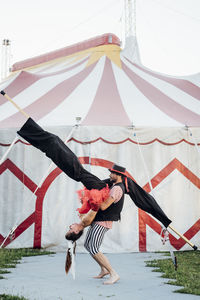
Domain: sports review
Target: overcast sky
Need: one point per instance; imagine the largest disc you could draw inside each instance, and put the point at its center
(168, 31)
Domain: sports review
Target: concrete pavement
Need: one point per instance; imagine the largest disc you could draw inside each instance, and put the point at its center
(44, 278)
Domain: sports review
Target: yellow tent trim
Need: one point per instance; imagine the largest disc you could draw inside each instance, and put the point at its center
(111, 51)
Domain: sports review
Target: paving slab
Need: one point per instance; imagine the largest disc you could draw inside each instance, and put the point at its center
(44, 278)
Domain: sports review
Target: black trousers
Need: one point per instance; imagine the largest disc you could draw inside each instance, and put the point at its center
(67, 161)
(59, 153)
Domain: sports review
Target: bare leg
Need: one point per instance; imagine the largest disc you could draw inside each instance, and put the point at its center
(103, 271)
(104, 263)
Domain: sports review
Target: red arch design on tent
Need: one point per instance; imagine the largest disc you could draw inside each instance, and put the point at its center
(144, 218)
(8, 164)
(48, 181)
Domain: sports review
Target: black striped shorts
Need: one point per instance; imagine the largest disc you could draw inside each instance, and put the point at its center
(94, 238)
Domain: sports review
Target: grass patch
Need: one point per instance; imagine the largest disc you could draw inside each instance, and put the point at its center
(187, 275)
(9, 258)
(10, 297)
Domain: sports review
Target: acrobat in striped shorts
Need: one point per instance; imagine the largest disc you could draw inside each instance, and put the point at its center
(94, 238)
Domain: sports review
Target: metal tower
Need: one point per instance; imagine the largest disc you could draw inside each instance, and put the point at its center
(130, 18)
(131, 49)
(5, 58)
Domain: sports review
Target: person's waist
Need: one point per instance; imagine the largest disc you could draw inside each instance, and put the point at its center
(107, 224)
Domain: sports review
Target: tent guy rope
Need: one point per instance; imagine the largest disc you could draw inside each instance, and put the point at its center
(25, 114)
(152, 191)
(8, 150)
(194, 141)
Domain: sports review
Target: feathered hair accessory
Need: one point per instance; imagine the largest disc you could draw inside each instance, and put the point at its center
(70, 258)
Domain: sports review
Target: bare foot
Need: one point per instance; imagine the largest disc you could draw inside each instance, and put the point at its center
(113, 278)
(101, 274)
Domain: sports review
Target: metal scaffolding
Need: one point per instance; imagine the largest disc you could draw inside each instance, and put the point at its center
(130, 18)
(5, 58)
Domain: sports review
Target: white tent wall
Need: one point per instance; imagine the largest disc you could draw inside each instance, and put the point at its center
(172, 163)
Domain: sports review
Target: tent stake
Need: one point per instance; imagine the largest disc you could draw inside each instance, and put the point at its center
(183, 237)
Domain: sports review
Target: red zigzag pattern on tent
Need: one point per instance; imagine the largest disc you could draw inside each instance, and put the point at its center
(144, 218)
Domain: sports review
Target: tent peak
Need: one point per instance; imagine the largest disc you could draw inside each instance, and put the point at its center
(105, 39)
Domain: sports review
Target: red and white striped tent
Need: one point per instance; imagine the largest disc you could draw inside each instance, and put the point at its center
(111, 109)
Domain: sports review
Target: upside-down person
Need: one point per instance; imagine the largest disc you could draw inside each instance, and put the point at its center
(102, 204)
(100, 218)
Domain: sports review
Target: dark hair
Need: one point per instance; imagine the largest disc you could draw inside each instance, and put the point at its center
(72, 236)
(119, 174)
(115, 172)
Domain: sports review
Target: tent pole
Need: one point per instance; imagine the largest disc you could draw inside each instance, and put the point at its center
(9, 99)
(183, 237)
(9, 235)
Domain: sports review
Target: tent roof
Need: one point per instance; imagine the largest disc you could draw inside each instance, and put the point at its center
(104, 39)
(100, 83)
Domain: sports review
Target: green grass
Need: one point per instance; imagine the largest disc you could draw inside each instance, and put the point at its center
(10, 297)
(188, 272)
(9, 258)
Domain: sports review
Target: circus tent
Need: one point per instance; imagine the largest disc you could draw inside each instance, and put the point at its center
(109, 108)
